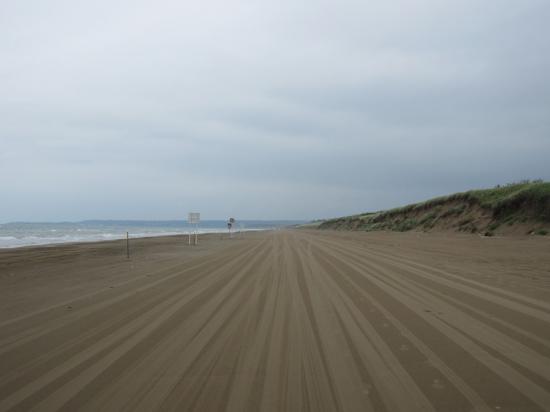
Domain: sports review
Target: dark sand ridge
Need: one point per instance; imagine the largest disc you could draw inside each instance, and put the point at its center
(278, 321)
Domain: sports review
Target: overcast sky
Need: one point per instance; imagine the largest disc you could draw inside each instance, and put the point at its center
(253, 109)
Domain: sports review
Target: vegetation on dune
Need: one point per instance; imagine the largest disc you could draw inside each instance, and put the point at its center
(485, 211)
(310, 225)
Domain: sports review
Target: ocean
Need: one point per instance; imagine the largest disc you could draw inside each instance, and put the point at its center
(18, 234)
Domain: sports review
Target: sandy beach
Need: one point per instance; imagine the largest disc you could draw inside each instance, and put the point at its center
(288, 320)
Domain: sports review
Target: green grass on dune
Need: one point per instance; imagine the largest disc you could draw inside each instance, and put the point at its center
(511, 203)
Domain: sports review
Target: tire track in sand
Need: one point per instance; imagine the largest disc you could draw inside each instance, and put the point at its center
(284, 321)
(400, 287)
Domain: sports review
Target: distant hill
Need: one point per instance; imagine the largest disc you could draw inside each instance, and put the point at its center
(518, 208)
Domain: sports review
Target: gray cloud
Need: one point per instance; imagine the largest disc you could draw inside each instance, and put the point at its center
(284, 109)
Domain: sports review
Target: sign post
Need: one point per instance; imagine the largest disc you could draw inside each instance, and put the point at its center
(230, 224)
(193, 219)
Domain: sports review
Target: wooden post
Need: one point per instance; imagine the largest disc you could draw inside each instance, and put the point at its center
(127, 246)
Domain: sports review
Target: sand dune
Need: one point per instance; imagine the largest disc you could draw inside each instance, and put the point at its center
(278, 321)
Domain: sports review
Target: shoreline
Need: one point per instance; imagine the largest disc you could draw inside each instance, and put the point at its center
(123, 237)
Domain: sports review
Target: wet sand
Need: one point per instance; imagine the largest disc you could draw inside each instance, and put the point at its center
(278, 321)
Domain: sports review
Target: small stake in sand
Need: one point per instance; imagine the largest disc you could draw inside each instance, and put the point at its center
(127, 246)
(193, 219)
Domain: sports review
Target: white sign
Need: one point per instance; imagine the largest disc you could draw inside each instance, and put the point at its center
(194, 218)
